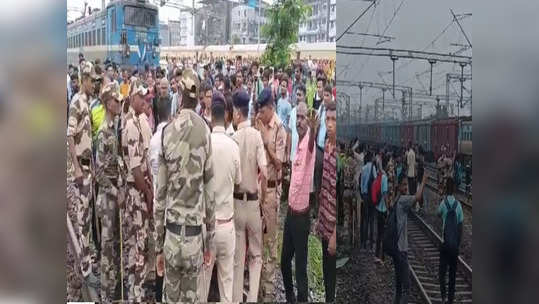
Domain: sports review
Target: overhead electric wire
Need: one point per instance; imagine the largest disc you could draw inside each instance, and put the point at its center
(357, 19)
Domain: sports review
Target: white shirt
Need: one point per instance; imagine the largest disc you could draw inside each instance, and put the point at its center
(155, 149)
(227, 172)
(230, 130)
(410, 158)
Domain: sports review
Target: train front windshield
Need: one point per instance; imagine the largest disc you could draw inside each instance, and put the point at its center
(140, 16)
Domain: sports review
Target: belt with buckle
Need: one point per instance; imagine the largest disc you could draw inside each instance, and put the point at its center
(189, 230)
(250, 196)
(298, 212)
(220, 222)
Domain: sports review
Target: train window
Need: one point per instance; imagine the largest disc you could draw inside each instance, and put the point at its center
(113, 20)
(134, 15)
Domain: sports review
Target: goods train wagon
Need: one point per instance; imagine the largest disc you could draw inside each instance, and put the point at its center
(422, 134)
(465, 137)
(429, 134)
(444, 132)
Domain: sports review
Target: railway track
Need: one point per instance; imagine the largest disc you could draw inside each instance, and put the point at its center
(423, 259)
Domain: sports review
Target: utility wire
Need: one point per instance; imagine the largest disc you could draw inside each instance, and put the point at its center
(393, 17)
(357, 19)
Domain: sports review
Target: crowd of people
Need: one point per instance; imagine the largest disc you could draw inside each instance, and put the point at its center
(380, 185)
(176, 169)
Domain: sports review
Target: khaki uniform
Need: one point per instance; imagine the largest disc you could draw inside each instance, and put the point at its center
(227, 173)
(139, 274)
(184, 201)
(248, 223)
(79, 127)
(270, 207)
(108, 162)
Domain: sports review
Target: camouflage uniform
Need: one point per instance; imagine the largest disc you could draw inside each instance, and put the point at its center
(445, 167)
(270, 207)
(139, 274)
(184, 201)
(108, 162)
(79, 127)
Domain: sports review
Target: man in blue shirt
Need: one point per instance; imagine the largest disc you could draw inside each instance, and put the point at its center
(367, 209)
(381, 211)
(300, 95)
(403, 207)
(283, 104)
(448, 259)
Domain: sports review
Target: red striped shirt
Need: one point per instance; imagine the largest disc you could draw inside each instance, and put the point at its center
(327, 211)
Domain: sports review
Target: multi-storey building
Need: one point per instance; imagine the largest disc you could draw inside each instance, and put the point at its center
(186, 30)
(246, 22)
(164, 34)
(320, 25)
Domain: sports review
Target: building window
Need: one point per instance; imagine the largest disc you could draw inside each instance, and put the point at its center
(103, 36)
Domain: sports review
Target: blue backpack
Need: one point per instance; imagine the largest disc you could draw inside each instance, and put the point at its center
(451, 234)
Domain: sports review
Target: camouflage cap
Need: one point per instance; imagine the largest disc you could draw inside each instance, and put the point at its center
(138, 89)
(111, 90)
(88, 68)
(191, 83)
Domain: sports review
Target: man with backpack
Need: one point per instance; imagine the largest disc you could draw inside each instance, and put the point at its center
(368, 175)
(381, 194)
(396, 237)
(452, 216)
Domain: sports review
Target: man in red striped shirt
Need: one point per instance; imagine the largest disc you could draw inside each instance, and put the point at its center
(325, 227)
(297, 222)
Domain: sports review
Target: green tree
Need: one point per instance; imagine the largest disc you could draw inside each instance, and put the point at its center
(281, 30)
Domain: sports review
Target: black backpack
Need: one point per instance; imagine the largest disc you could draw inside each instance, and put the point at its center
(391, 232)
(451, 233)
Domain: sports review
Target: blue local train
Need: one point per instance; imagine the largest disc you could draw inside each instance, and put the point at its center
(126, 33)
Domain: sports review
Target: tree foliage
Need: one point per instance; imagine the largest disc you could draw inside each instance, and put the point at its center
(281, 30)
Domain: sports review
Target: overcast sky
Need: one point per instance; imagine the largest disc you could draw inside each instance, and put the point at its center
(165, 13)
(414, 27)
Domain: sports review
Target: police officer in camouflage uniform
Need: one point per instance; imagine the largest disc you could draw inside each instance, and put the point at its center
(136, 216)
(110, 193)
(184, 199)
(79, 139)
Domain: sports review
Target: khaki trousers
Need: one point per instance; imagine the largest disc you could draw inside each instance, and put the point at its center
(248, 224)
(225, 242)
(270, 210)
